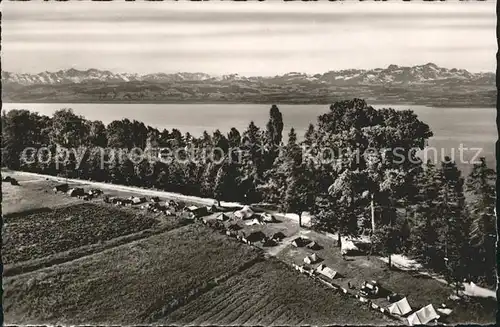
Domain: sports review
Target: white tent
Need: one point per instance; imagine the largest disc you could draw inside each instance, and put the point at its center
(348, 246)
(138, 200)
(401, 308)
(267, 217)
(423, 316)
(326, 271)
(192, 208)
(222, 217)
(244, 213)
(313, 246)
(313, 258)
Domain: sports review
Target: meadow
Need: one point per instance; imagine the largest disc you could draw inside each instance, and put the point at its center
(271, 293)
(129, 284)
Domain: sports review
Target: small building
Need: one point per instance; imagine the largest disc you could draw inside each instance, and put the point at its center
(222, 217)
(268, 242)
(423, 316)
(300, 242)
(314, 246)
(255, 221)
(76, 192)
(307, 219)
(211, 209)
(279, 236)
(95, 192)
(197, 211)
(348, 247)
(60, 188)
(114, 199)
(255, 236)
(138, 200)
(326, 271)
(268, 218)
(245, 213)
(400, 308)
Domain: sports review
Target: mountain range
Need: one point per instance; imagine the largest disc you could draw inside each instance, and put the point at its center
(426, 84)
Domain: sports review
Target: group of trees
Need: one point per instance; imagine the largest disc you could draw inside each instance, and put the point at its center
(356, 169)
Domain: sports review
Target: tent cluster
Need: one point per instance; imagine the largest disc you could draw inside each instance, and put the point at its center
(400, 308)
(423, 316)
(77, 191)
(311, 259)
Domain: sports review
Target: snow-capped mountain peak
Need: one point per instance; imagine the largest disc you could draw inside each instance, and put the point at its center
(393, 74)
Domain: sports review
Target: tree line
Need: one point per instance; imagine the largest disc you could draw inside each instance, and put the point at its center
(409, 207)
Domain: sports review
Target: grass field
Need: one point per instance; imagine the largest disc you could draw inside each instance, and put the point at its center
(109, 265)
(38, 234)
(129, 284)
(270, 293)
(31, 194)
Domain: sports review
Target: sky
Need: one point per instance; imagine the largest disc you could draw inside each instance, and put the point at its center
(257, 38)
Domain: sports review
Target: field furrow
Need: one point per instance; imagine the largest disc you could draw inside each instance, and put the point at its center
(133, 283)
(273, 293)
(202, 306)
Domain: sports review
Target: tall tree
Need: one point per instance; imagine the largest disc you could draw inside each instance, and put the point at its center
(481, 187)
(68, 129)
(274, 127)
(353, 126)
(273, 136)
(234, 138)
(426, 220)
(294, 178)
(337, 210)
(222, 187)
(220, 145)
(456, 224)
(309, 136)
(21, 129)
(252, 165)
(97, 134)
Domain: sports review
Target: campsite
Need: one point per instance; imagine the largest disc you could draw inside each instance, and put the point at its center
(190, 267)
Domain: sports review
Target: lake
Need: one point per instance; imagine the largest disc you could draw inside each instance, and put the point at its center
(471, 127)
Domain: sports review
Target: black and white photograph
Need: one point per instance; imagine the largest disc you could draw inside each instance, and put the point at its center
(259, 163)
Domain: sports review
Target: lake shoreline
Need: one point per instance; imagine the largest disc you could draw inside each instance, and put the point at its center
(370, 102)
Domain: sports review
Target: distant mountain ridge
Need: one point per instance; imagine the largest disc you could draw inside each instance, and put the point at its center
(393, 74)
(426, 84)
